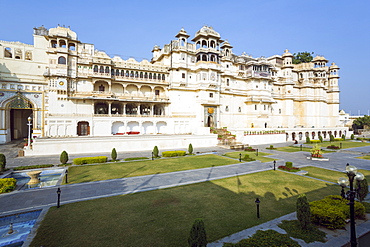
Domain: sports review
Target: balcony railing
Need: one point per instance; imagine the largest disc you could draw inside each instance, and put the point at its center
(105, 94)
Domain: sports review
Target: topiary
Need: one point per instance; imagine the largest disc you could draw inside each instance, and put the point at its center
(114, 154)
(303, 211)
(332, 138)
(321, 139)
(190, 149)
(198, 236)
(362, 189)
(289, 164)
(308, 140)
(155, 152)
(352, 136)
(2, 162)
(343, 137)
(64, 157)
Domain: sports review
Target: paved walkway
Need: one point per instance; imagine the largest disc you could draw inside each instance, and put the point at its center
(20, 201)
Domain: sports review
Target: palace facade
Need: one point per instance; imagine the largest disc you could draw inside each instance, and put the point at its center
(70, 89)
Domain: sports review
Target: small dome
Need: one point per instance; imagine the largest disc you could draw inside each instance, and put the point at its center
(63, 32)
(205, 30)
(287, 53)
(182, 33)
(319, 58)
(334, 66)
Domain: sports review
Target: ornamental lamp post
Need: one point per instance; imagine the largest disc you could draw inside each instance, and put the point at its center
(29, 132)
(257, 201)
(274, 165)
(240, 157)
(152, 156)
(58, 202)
(66, 176)
(257, 152)
(352, 174)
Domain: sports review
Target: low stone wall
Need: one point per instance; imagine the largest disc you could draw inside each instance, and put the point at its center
(53, 146)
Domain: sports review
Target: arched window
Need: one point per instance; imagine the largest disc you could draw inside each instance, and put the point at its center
(8, 52)
(141, 74)
(204, 44)
(131, 74)
(96, 69)
(213, 44)
(71, 46)
(107, 70)
(146, 75)
(62, 44)
(204, 57)
(28, 55)
(62, 60)
(117, 72)
(112, 72)
(127, 73)
(150, 75)
(136, 74)
(227, 52)
(163, 77)
(53, 44)
(154, 76)
(197, 45)
(101, 70)
(122, 73)
(182, 42)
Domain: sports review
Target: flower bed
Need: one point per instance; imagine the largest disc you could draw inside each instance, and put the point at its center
(289, 169)
(332, 147)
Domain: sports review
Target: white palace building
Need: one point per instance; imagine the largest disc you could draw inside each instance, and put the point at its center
(73, 91)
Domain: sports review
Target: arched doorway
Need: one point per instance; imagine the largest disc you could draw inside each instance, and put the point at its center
(83, 128)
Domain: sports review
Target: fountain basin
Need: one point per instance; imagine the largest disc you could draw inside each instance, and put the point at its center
(46, 178)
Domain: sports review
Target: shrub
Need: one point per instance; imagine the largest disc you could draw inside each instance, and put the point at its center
(266, 238)
(352, 136)
(2, 162)
(367, 207)
(19, 168)
(114, 154)
(198, 235)
(173, 153)
(293, 229)
(308, 140)
(303, 211)
(321, 139)
(63, 157)
(7, 184)
(332, 147)
(271, 147)
(247, 158)
(90, 160)
(362, 189)
(190, 149)
(289, 164)
(155, 152)
(343, 137)
(332, 211)
(315, 141)
(249, 149)
(331, 138)
(338, 139)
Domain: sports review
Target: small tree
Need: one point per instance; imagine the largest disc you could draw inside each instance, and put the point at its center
(303, 211)
(308, 140)
(190, 149)
(155, 152)
(332, 138)
(198, 236)
(114, 154)
(2, 162)
(64, 157)
(343, 137)
(321, 139)
(362, 189)
(352, 136)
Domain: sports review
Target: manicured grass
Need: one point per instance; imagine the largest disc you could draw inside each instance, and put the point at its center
(366, 157)
(292, 149)
(164, 217)
(329, 175)
(88, 173)
(253, 155)
(345, 144)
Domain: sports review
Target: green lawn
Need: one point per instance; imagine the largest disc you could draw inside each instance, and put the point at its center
(260, 156)
(329, 175)
(88, 173)
(366, 157)
(164, 217)
(292, 149)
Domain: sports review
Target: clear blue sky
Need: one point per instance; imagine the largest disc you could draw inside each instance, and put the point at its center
(338, 30)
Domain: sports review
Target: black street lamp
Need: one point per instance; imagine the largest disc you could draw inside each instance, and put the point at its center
(257, 152)
(352, 174)
(258, 207)
(301, 147)
(340, 145)
(274, 165)
(152, 156)
(240, 157)
(66, 176)
(58, 202)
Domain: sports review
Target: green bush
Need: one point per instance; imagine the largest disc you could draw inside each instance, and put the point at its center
(136, 158)
(303, 211)
(19, 168)
(7, 184)
(63, 157)
(367, 207)
(266, 238)
(316, 141)
(332, 211)
(190, 149)
(2, 162)
(308, 140)
(321, 139)
(289, 164)
(309, 235)
(247, 158)
(352, 136)
(343, 137)
(155, 152)
(114, 154)
(362, 189)
(90, 160)
(198, 235)
(173, 153)
(331, 138)
(338, 139)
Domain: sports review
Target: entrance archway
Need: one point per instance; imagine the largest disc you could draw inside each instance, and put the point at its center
(83, 128)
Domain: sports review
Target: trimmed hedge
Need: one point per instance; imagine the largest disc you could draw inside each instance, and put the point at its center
(19, 168)
(136, 158)
(332, 211)
(247, 158)
(90, 160)
(289, 164)
(266, 238)
(338, 139)
(7, 184)
(315, 141)
(173, 153)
